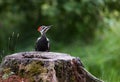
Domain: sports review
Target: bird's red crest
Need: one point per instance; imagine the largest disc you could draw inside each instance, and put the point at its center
(39, 29)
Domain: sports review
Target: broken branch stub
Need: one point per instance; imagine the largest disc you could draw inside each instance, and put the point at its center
(44, 67)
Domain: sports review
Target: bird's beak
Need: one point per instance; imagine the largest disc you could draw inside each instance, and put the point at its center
(50, 26)
(47, 28)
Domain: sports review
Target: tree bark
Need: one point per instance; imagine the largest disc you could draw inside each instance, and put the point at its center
(44, 67)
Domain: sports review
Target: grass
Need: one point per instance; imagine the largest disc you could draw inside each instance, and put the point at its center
(101, 62)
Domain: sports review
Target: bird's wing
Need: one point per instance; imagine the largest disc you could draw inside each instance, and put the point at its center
(48, 44)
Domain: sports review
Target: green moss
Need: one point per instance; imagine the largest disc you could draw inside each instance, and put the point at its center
(35, 68)
(72, 79)
(6, 73)
(6, 70)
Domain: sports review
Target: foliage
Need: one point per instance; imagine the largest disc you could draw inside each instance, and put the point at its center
(85, 28)
(75, 18)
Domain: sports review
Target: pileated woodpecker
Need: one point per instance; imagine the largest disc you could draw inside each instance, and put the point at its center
(42, 43)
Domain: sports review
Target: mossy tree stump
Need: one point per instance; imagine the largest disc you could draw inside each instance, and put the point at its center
(43, 67)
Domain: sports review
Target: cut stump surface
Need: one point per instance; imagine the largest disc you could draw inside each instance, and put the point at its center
(44, 67)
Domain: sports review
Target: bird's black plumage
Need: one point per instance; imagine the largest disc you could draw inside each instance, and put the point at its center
(42, 43)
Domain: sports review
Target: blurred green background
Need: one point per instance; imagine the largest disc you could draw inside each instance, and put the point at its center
(88, 29)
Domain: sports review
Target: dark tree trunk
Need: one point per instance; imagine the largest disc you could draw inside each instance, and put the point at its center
(44, 67)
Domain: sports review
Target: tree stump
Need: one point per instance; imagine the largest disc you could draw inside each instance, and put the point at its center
(43, 67)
